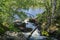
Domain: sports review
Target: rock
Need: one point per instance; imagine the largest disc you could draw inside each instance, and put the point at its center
(14, 36)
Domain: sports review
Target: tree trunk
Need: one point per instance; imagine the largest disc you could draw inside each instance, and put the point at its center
(53, 10)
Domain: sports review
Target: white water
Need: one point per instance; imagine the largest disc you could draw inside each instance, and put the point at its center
(32, 11)
(36, 34)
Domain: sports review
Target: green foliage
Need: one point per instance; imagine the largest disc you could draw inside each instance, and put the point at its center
(42, 17)
(45, 33)
(8, 8)
(53, 13)
(1, 30)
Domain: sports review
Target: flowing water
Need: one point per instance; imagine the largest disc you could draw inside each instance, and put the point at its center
(35, 35)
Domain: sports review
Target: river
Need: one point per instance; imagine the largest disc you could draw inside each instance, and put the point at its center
(34, 12)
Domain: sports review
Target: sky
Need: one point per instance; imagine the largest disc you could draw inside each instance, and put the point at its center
(34, 11)
(31, 12)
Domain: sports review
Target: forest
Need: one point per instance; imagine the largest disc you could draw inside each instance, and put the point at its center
(16, 14)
